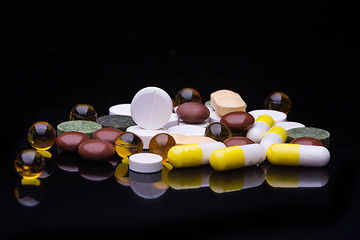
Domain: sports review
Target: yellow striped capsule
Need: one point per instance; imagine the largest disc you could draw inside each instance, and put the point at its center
(287, 154)
(237, 157)
(274, 135)
(260, 127)
(192, 155)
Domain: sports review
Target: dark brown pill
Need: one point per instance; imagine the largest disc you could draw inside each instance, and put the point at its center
(70, 141)
(96, 150)
(107, 134)
(193, 112)
(237, 121)
(238, 141)
(307, 141)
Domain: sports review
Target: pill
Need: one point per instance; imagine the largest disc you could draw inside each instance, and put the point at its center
(151, 108)
(307, 141)
(237, 141)
(116, 121)
(188, 130)
(276, 115)
(107, 134)
(225, 101)
(317, 133)
(120, 109)
(173, 121)
(96, 150)
(87, 127)
(298, 155)
(193, 112)
(192, 155)
(289, 125)
(274, 135)
(238, 121)
(237, 157)
(145, 134)
(145, 162)
(202, 124)
(213, 117)
(181, 139)
(260, 127)
(187, 95)
(70, 141)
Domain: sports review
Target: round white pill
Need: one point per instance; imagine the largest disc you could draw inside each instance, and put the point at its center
(276, 115)
(120, 109)
(145, 162)
(151, 108)
(289, 125)
(188, 130)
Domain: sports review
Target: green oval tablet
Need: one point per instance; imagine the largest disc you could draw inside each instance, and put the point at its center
(320, 134)
(87, 127)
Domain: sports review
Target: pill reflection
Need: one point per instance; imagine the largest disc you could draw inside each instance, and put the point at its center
(296, 177)
(50, 164)
(144, 185)
(237, 179)
(189, 178)
(29, 192)
(95, 171)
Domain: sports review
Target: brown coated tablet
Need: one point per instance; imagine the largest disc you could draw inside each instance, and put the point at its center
(70, 141)
(238, 141)
(96, 150)
(307, 141)
(238, 121)
(193, 112)
(107, 134)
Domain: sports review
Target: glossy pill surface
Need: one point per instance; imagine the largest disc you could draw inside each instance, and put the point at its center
(83, 112)
(29, 164)
(278, 101)
(298, 155)
(260, 127)
(70, 141)
(41, 135)
(107, 134)
(238, 141)
(307, 141)
(192, 155)
(161, 143)
(237, 156)
(193, 112)
(187, 95)
(128, 143)
(218, 131)
(237, 121)
(96, 150)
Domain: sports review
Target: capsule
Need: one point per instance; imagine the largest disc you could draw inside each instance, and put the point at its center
(260, 127)
(192, 155)
(274, 135)
(237, 157)
(287, 154)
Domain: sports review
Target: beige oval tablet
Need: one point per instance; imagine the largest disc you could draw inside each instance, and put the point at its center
(181, 139)
(226, 101)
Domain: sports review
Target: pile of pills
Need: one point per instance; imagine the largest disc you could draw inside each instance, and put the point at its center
(154, 130)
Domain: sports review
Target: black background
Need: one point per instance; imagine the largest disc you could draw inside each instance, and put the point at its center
(60, 54)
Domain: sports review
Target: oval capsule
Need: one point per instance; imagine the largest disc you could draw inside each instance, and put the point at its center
(192, 155)
(287, 154)
(260, 127)
(237, 157)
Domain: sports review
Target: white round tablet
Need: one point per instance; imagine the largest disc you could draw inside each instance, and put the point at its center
(276, 115)
(145, 134)
(145, 162)
(151, 108)
(289, 125)
(188, 130)
(120, 109)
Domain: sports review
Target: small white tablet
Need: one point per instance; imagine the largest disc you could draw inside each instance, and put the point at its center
(145, 162)
(120, 109)
(276, 115)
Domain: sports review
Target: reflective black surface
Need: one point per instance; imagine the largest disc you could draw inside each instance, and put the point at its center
(62, 55)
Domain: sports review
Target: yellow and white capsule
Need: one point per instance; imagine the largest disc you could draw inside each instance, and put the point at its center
(287, 154)
(260, 127)
(192, 155)
(237, 157)
(274, 135)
